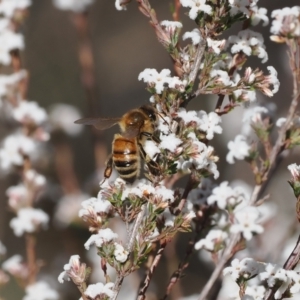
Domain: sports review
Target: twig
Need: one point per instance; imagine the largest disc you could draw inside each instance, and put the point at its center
(197, 60)
(177, 6)
(148, 277)
(137, 223)
(31, 258)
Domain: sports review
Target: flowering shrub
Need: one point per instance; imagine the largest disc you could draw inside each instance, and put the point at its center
(182, 194)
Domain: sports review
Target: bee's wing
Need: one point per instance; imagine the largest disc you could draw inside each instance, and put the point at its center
(99, 123)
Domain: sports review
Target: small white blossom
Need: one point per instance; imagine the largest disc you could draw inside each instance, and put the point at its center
(259, 14)
(119, 6)
(221, 77)
(40, 291)
(251, 116)
(164, 193)
(103, 236)
(273, 79)
(18, 196)
(280, 122)
(30, 112)
(171, 25)
(239, 6)
(69, 268)
(15, 267)
(295, 171)
(98, 205)
(224, 196)
(216, 45)
(29, 220)
(209, 123)
(188, 116)
(76, 6)
(169, 142)
(245, 268)
(250, 43)
(9, 41)
(94, 291)
(238, 149)
(194, 35)
(68, 206)
(257, 292)
(196, 6)
(245, 222)
(120, 253)
(9, 7)
(151, 148)
(14, 147)
(213, 238)
(286, 21)
(62, 117)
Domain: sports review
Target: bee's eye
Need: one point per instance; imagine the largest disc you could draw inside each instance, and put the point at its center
(152, 116)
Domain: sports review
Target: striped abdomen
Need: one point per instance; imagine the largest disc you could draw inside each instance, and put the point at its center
(126, 157)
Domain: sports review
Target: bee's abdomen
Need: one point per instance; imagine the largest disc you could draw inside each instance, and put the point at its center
(126, 157)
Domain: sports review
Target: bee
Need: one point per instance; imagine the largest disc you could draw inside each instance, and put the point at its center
(137, 126)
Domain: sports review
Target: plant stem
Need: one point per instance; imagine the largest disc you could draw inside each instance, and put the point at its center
(148, 277)
(31, 258)
(132, 238)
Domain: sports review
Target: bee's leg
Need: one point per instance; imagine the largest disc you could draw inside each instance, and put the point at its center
(152, 165)
(108, 169)
(150, 136)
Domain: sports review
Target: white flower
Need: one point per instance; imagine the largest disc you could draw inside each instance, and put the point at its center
(286, 21)
(169, 142)
(280, 122)
(194, 35)
(8, 7)
(15, 267)
(238, 6)
(171, 25)
(245, 268)
(94, 291)
(164, 193)
(257, 292)
(249, 42)
(8, 82)
(62, 116)
(213, 238)
(98, 205)
(119, 6)
(259, 14)
(40, 291)
(70, 268)
(76, 6)
(224, 195)
(222, 77)
(103, 236)
(209, 123)
(188, 116)
(14, 147)
(295, 171)
(9, 41)
(68, 206)
(29, 220)
(251, 116)
(238, 149)
(151, 148)
(18, 196)
(196, 6)
(30, 112)
(245, 222)
(158, 80)
(216, 45)
(273, 79)
(120, 253)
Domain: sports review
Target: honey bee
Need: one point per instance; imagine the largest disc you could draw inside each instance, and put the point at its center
(137, 126)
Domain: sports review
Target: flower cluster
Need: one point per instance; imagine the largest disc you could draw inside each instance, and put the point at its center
(284, 282)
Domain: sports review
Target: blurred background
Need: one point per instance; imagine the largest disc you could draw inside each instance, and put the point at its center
(123, 44)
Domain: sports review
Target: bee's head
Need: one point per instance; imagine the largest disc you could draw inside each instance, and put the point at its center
(149, 111)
